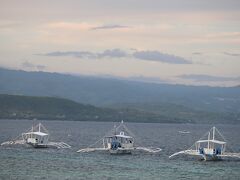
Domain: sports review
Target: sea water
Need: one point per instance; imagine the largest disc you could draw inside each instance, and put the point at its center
(22, 162)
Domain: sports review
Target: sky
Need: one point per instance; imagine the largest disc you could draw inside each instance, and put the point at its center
(189, 42)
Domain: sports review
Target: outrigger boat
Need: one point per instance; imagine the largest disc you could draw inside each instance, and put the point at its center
(210, 148)
(119, 142)
(37, 137)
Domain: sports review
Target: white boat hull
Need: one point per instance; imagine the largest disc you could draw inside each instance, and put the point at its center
(211, 157)
(37, 145)
(120, 151)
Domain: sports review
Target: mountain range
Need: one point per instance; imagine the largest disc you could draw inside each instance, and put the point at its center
(189, 103)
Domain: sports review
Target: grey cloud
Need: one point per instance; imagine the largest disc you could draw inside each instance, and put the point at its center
(79, 54)
(109, 27)
(29, 65)
(115, 53)
(207, 78)
(231, 54)
(160, 57)
(40, 67)
(118, 53)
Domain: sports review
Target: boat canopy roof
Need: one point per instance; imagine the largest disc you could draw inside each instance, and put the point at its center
(37, 133)
(211, 140)
(123, 136)
(120, 136)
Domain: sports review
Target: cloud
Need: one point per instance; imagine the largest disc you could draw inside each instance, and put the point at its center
(114, 53)
(109, 27)
(231, 54)
(160, 57)
(78, 54)
(40, 67)
(118, 53)
(29, 65)
(79, 26)
(207, 78)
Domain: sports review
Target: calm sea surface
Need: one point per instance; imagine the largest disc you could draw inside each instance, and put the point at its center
(29, 163)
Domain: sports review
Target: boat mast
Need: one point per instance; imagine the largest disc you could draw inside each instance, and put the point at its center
(31, 133)
(208, 139)
(213, 132)
(115, 129)
(39, 127)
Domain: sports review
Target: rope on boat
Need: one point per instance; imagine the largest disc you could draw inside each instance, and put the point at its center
(138, 142)
(16, 140)
(113, 131)
(127, 130)
(19, 139)
(228, 146)
(91, 148)
(192, 147)
(194, 144)
(192, 151)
